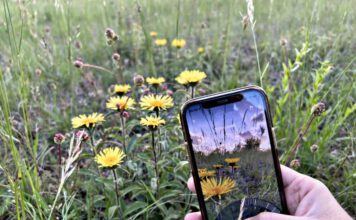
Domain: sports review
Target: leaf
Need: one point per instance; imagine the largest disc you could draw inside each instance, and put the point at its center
(112, 211)
(134, 207)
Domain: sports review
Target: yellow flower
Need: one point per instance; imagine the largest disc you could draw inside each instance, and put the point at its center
(110, 157)
(88, 121)
(152, 121)
(200, 49)
(190, 77)
(156, 102)
(120, 103)
(122, 89)
(218, 166)
(160, 42)
(155, 81)
(178, 43)
(211, 187)
(153, 34)
(232, 161)
(203, 173)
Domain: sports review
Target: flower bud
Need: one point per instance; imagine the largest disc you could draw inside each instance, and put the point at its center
(59, 138)
(318, 109)
(78, 64)
(83, 134)
(295, 163)
(38, 72)
(283, 42)
(169, 92)
(125, 114)
(116, 57)
(314, 148)
(138, 80)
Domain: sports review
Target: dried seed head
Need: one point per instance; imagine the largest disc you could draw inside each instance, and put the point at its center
(283, 42)
(138, 80)
(78, 63)
(59, 138)
(318, 109)
(116, 57)
(109, 33)
(314, 148)
(38, 72)
(295, 163)
(125, 114)
(78, 45)
(244, 22)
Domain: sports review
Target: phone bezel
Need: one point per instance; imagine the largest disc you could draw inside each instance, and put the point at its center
(216, 97)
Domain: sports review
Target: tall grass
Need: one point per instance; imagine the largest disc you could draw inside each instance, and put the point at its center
(301, 53)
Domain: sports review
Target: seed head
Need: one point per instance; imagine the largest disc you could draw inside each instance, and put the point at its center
(314, 148)
(295, 163)
(283, 42)
(244, 22)
(59, 138)
(138, 80)
(116, 57)
(78, 64)
(318, 109)
(38, 72)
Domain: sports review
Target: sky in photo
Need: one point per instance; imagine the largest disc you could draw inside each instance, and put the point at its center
(223, 128)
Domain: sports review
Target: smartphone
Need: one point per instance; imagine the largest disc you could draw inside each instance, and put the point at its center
(232, 152)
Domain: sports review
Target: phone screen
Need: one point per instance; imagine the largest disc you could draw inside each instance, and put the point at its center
(233, 154)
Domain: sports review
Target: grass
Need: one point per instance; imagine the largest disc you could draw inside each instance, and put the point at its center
(41, 90)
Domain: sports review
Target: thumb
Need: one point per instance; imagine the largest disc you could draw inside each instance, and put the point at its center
(272, 216)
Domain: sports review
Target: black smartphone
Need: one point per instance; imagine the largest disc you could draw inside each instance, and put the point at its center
(232, 152)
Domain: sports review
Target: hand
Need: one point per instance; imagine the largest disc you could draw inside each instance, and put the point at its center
(307, 198)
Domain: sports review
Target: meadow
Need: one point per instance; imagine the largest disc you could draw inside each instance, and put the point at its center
(61, 59)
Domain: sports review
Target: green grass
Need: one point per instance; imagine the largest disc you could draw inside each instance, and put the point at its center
(44, 35)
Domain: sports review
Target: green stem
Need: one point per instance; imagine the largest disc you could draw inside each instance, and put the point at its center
(192, 92)
(123, 132)
(155, 163)
(117, 193)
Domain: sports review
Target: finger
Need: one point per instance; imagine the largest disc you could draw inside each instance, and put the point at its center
(191, 185)
(193, 216)
(289, 176)
(272, 216)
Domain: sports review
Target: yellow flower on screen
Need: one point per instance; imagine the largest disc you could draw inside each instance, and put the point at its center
(212, 187)
(232, 161)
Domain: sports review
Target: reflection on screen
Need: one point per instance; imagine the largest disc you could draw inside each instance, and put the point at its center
(233, 154)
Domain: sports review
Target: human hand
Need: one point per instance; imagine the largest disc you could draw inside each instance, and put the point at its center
(307, 198)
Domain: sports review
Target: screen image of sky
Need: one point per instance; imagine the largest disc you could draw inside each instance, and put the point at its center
(225, 128)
